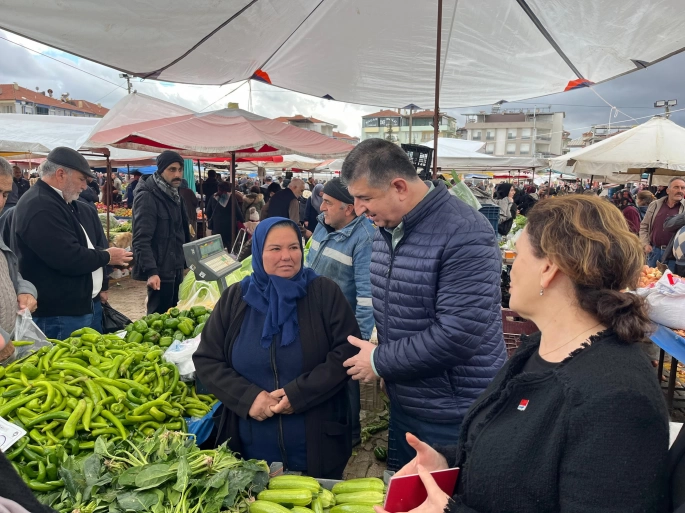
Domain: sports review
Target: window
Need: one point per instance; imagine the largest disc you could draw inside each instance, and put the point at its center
(524, 149)
(490, 135)
(371, 122)
(512, 133)
(490, 148)
(525, 133)
(544, 136)
(511, 149)
(7, 109)
(476, 135)
(43, 111)
(389, 121)
(27, 109)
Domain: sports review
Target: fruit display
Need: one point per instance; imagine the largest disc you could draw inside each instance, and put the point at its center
(87, 388)
(680, 333)
(301, 494)
(117, 211)
(648, 277)
(163, 329)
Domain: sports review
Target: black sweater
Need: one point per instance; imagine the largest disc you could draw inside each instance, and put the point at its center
(12, 487)
(325, 321)
(593, 436)
(53, 253)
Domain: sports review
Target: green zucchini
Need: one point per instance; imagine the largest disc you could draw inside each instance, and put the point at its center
(364, 498)
(267, 507)
(293, 497)
(363, 484)
(289, 482)
(351, 508)
(300, 509)
(327, 498)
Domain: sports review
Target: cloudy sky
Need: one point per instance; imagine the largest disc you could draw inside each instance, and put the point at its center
(37, 66)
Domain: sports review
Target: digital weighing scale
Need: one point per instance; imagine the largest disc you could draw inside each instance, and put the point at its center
(209, 260)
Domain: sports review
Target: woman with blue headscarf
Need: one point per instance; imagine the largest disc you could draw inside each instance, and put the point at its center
(273, 352)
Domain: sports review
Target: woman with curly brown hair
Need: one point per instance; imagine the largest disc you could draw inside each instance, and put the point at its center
(575, 421)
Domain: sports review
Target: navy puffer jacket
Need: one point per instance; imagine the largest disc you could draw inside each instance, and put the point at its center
(436, 301)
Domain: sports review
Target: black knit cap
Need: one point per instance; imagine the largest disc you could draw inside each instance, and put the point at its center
(166, 158)
(71, 159)
(336, 189)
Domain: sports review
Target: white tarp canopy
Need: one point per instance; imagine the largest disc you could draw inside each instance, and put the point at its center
(35, 136)
(373, 52)
(464, 155)
(41, 134)
(658, 144)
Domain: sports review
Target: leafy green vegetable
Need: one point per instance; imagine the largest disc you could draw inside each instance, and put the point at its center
(164, 473)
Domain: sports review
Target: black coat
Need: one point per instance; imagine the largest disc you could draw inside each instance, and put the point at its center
(89, 195)
(209, 188)
(23, 185)
(53, 252)
(593, 436)
(12, 487)
(88, 215)
(325, 320)
(221, 219)
(160, 228)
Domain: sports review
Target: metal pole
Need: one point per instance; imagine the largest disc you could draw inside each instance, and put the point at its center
(199, 174)
(233, 198)
(436, 113)
(411, 114)
(108, 192)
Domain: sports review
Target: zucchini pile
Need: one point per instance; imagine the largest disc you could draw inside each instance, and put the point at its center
(302, 494)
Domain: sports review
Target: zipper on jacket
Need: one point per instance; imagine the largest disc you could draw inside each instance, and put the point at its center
(281, 444)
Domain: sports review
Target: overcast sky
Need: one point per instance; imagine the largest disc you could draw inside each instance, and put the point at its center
(633, 94)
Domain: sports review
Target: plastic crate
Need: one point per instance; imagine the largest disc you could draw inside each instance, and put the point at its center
(421, 157)
(491, 213)
(370, 396)
(513, 326)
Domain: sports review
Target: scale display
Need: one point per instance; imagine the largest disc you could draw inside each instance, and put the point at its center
(209, 260)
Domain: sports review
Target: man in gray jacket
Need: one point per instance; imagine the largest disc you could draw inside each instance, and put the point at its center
(15, 292)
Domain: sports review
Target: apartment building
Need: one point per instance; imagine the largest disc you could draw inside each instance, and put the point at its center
(520, 132)
(309, 123)
(15, 99)
(596, 134)
(405, 127)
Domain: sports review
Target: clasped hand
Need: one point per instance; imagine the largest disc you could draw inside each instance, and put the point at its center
(268, 404)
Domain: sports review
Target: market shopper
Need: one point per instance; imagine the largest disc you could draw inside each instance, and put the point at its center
(504, 197)
(223, 216)
(654, 238)
(285, 202)
(435, 277)
(313, 208)
(160, 228)
(23, 184)
(253, 198)
(272, 352)
(16, 293)
(55, 252)
(190, 203)
(630, 212)
(341, 250)
(575, 421)
(131, 187)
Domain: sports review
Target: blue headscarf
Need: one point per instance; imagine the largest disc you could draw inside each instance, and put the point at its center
(272, 295)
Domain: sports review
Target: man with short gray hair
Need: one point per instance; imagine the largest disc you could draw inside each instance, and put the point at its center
(655, 238)
(55, 252)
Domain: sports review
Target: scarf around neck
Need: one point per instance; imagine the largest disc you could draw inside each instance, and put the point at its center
(272, 295)
(167, 189)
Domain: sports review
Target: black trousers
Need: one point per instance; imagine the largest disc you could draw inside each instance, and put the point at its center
(159, 301)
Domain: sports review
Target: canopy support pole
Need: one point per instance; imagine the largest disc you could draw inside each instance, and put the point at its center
(233, 198)
(199, 174)
(436, 112)
(550, 179)
(108, 192)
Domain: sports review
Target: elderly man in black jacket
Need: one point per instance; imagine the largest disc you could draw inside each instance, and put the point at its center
(160, 228)
(55, 251)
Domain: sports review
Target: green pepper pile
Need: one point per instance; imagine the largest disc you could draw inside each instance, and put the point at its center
(165, 328)
(86, 387)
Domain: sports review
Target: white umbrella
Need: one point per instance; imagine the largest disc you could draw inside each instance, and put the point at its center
(657, 145)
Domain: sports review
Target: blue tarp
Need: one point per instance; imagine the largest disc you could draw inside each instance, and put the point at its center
(667, 340)
(202, 428)
(146, 170)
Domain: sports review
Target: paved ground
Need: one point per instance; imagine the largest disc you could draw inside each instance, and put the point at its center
(128, 296)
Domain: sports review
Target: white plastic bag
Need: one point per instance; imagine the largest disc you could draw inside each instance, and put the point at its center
(180, 353)
(667, 301)
(27, 330)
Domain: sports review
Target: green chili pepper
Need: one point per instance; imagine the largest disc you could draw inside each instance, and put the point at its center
(9, 407)
(70, 426)
(20, 445)
(90, 338)
(116, 422)
(29, 370)
(73, 446)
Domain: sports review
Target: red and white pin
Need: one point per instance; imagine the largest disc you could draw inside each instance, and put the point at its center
(523, 404)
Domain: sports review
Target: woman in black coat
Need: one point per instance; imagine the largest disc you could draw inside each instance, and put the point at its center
(576, 420)
(273, 352)
(221, 214)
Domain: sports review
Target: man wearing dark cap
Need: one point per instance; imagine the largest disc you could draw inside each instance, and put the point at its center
(160, 228)
(341, 250)
(130, 189)
(55, 252)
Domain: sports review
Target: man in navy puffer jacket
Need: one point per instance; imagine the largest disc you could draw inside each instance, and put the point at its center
(435, 276)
